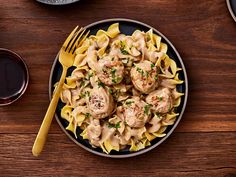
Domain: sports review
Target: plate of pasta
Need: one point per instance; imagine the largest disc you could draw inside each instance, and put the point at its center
(126, 92)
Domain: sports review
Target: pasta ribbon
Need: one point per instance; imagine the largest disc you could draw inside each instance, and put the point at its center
(169, 119)
(177, 102)
(80, 60)
(112, 31)
(108, 146)
(163, 47)
(157, 41)
(167, 66)
(160, 133)
(149, 136)
(66, 112)
(84, 134)
(102, 42)
(70, 126)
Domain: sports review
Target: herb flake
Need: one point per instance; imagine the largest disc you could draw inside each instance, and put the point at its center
(82, 83)
(156, 77)
(123, 51)
(110, 91)
(140, 71)
(122, 48)
(87, 115)
(152, 66)
(129, 102)
(147, 108)
(158, 115)
(100, 84)
(117, 125)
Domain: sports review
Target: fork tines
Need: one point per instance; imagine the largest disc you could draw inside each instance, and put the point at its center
(75, 39)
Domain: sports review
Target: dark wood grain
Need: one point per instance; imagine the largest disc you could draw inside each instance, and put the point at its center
(203, 144)
(173, 158)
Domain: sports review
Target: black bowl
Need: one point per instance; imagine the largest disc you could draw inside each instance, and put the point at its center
(127, 27)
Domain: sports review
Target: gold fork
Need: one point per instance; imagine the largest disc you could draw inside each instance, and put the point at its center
(66, 58)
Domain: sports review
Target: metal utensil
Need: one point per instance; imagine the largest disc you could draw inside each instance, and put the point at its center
(66, 58)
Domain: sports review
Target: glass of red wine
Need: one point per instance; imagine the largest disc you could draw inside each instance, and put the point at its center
(14, 77)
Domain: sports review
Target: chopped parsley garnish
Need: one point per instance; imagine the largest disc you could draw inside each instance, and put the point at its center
(82, 83)
(112, 59)
(140, 71)
(129, 102)
(122, 45)
(160, 98)
(158, 115)
(110, 90)
(169, 109)
(116, 80)
(122, 48)
(82, 95)
(113, 71)
(147, 108)
(152, 66)
(117, 125)
(123, 51)
(87, 115)
(100, 84)
(88, 93)
(156, 77)
(119, 79)
(147, 74)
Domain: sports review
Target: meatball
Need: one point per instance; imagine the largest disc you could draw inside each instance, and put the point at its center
(100, 103)
(110, 70)
(144, 76)
(161, 100)
(135, 112)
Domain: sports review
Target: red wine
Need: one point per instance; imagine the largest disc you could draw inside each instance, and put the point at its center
(13, 76)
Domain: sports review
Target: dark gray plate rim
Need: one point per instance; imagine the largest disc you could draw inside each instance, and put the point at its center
(230, 9)
(177, 120)
(57, 4)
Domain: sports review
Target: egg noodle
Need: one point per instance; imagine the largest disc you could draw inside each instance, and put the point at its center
(122, 92)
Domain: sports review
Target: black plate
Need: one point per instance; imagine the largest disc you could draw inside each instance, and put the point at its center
(127, 27)
(232, 8)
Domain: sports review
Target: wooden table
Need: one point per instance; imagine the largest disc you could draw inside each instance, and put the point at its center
(204, 144)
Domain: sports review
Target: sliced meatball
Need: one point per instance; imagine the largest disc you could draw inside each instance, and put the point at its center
(100, 103)
(161, 100)
(135, 112)
(110, 70)
(144, 76)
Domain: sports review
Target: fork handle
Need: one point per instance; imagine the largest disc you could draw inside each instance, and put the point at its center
(45, 126)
